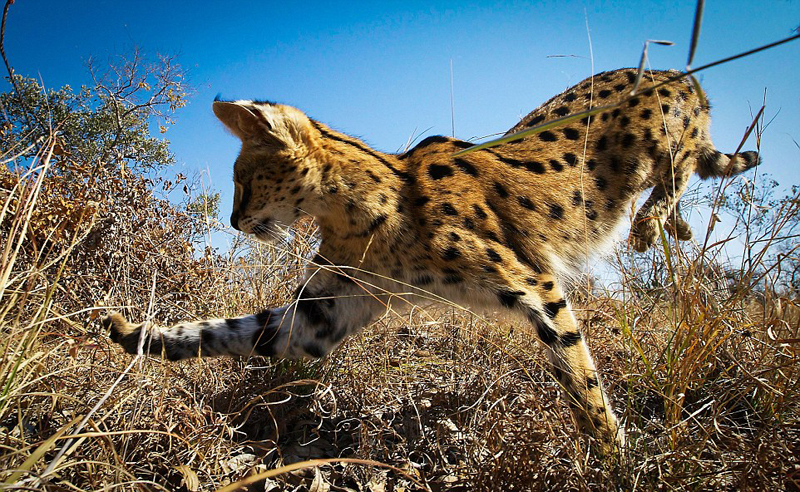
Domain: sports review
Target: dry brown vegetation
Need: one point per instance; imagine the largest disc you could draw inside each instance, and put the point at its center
(701, 362)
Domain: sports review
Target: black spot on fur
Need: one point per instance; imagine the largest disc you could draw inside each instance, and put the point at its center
(509, 298)
(628, 139)
(562, 111)
(548, 286)
(633, 102)
(624, 121)
(452, 278)
(531, 281)
(591, 214)
(263, 317)
(548, 136)
(631, 77)
(479, 213)
(451, 253)
(551, 309)
(454, 237)
(448, 209)
(314, 307)
(466, 167)
(526, 202)
(646, 114)
(469, 224)
(462, 144)
(262, 341)
(423, 280)
(500, 189)
(493, 255)
(437, 171)
(570, 338)
(602, 144)
(421, 201)
(556, 165)
(665, 108)
(570, 159)
(207, 336)
(534, 167)
(577, 197)
(571, 133)
(570, 97)
(619, 87)
(556, 211)
(591, 164)
(535, 121)
(376, 222)
(600, 182)
(431, 140)
(604, 93)
(664, 92)
(546, 332)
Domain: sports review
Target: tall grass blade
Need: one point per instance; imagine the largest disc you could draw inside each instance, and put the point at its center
(750, 129)
(643, 62)
(698, 21)
(537, 129)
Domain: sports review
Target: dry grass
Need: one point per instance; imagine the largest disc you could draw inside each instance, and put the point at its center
(703, 368)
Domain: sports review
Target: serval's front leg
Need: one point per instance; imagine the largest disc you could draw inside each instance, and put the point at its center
(326, 309)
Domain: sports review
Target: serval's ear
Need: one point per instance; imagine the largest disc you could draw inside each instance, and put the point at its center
(268, 124)
(240, 117)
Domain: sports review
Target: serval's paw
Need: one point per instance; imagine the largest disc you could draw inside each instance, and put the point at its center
(643, 234)
(679, 228)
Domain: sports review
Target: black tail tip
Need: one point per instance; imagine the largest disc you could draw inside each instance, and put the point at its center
(218, 97)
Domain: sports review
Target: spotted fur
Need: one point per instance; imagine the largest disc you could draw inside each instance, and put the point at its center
(500, 227)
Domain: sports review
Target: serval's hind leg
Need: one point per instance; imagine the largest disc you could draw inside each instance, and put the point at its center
(542, 301)
(573, 366)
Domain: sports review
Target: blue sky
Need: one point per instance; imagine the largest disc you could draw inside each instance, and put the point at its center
(381, 70)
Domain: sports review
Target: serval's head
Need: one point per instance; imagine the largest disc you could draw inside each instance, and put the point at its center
(275, 175)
